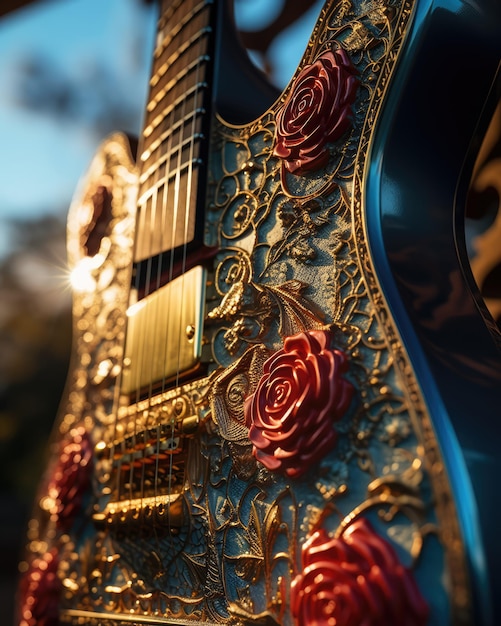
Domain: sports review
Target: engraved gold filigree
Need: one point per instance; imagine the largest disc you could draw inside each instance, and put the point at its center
(311, 230)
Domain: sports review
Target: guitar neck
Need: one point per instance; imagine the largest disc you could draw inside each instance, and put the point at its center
(173, 147)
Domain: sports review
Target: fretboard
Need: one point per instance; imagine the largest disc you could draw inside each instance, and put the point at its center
(173, 145)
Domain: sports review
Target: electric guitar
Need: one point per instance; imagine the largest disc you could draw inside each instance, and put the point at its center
(285, 390)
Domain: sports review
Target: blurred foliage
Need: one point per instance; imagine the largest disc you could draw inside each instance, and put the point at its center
(93, 94)
(35, 335)
(95, 99)
(6, 6)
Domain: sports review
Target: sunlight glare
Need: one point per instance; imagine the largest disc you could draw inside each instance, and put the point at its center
(81, 278)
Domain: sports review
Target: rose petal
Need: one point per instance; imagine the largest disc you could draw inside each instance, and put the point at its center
(316, 111)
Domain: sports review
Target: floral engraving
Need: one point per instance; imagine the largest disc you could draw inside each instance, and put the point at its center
(302, 392)
(355, 579)
(317, 111)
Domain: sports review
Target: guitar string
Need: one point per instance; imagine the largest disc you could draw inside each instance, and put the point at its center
(164, 316)
(144, 240)
(148, 357)
(151, 327)
(159, 317)
(130, 433)
(122, 437)
(170, 309)
(187, 182)
(147, 211)
(177, 190)
(141, 333)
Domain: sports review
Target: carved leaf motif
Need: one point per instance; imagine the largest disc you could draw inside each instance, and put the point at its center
(230, 304)
(261, 535)
(228, 392)
(296, 313)
(255, 534)
(344, 8)
(300, 230)
(249, 567)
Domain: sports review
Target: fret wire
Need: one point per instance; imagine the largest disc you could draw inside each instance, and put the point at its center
(179, 64)
(162, 125)
(153, 142)
(171, 14)
(174, 105)
(181, 94)
(155, 100)
(180, 59)
(156, 155)
(182, 168)
(170, 132)
(143, 249)
(179, 51)
(167, 178)
(168, 11)
(174, 32)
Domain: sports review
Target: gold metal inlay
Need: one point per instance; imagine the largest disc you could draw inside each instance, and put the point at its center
(168, 505)
(120, 618)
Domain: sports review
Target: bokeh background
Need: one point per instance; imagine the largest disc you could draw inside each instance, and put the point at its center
(70, 73)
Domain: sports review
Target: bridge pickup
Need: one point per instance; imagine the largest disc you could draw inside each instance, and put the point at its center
(164, 333)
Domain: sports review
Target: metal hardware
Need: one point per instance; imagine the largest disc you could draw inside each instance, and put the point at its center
(158, 346)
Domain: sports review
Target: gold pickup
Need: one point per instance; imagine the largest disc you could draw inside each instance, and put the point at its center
(164, 332)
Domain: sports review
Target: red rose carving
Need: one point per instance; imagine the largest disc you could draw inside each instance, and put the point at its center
(317, 111)
(356, 580)
(70, 477)
(300, 395)
(40, 591)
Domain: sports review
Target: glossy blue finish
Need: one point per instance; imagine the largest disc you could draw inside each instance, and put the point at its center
(439, 103)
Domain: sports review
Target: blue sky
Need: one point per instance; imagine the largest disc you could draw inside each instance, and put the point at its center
(42, 159)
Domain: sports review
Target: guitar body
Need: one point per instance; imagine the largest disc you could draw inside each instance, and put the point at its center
(288, 417)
